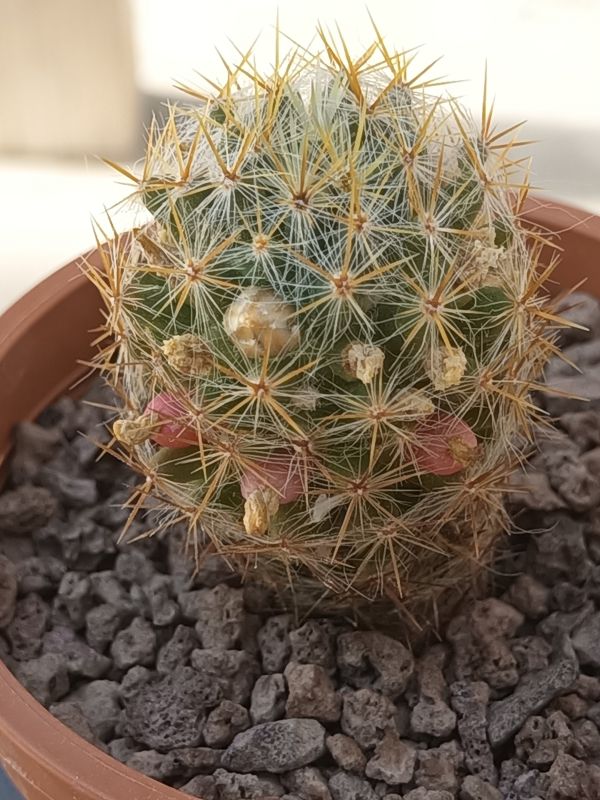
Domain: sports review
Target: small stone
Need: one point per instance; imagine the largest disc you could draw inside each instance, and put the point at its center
(202, 786)
(176, 652)
(311, 693)
(79, 658)
(122, 749)
(133, 681)
(41, 575)
(268, 698)
(25, 509)
(313, 643)
(34, 445)
(189, 761)
(583, 428)
(75, 597)
(134, 645)
(345, 786)
(159, 766)
(560, 553)
(26, 631)
(431, 715)
(572, 705)
(586, 641)
(73, 492)
(163, 609)
(474, 788)
(45, 678)
(71, 715)
(586, 740)
(370, 660)
(438, 768)
(346, 753)
(169, 713)
(107, 588)
(567, 597)
(534, 692)
(102, 624)
(307, 783)
(233, 672)
(220, 617)
(134, 566)
(276, 746)
(529, 596)
(366, 716)
(559, 623)
(99, 702)
(8, 591)
(532, 653)
(393, 760)
(224, 723)
(570, 780)
(274, 643)
(233, 786)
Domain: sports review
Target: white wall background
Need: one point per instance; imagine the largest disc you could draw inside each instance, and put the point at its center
(543, 64)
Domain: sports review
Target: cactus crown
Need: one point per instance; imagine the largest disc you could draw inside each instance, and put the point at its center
(327, 336)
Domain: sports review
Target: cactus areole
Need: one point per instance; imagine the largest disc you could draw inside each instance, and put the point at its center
(327, 336)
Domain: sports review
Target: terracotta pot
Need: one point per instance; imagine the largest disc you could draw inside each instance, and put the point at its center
(43, 339)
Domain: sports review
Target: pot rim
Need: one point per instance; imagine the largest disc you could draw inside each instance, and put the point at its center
(58, 752)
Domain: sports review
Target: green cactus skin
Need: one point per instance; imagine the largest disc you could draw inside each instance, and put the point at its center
(344, 251)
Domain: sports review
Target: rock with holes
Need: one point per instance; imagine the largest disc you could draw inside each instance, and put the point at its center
(276, 747)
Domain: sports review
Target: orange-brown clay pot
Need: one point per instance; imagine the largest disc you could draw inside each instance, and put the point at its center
(44, 338)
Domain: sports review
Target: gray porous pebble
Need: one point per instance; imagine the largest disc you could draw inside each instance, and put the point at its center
(224, 723)
(346, 786)
(370, 660)
(80, 659)
(276, 746)
(346, 753)
(311, 693)
(268, 698)
(232, 672)
(308, 783)
(432, 715)
(220, 617)
(314, 643)
(25, 509)
(169, 713)
(136, 644)
(72, 715)
(102, 623)
(182, 674)
(177, 650)
(45, 677)
(234, 786)
(470, 701)
(100, 704)
(393, 760)
(366, 716)
(274, 643)
(28, 626)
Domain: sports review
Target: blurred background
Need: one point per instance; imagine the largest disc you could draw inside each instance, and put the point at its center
(80, 79)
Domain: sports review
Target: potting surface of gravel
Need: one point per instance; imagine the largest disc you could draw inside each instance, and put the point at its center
(182, 677)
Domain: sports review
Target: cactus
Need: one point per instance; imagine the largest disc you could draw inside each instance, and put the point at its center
(326, 337)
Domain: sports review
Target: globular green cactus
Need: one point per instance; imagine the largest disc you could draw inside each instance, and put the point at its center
(327, 337)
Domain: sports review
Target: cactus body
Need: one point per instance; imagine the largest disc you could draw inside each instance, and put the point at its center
(337, 290)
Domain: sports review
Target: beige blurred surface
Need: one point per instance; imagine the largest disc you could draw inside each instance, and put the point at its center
(543, 60)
